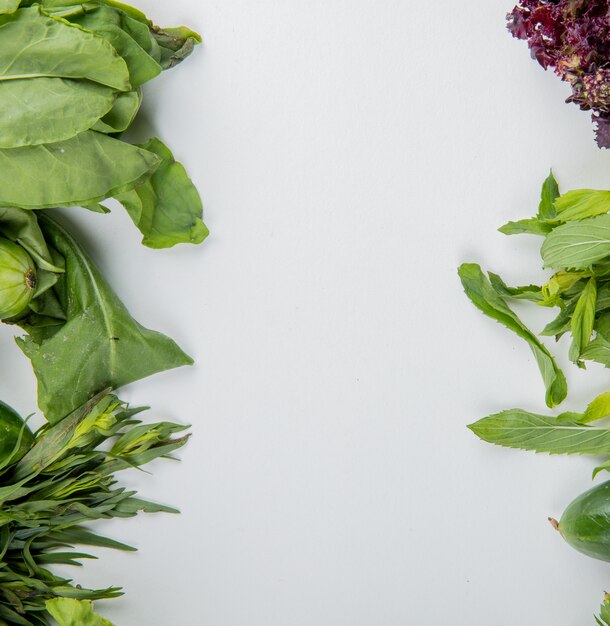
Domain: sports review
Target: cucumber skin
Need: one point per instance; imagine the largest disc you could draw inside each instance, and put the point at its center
(11, 424)
(585, 524)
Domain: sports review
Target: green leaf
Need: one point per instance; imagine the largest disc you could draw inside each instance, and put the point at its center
(35, 45)
(484, 297)
(531, 226)
(516, 428)
(598, 350)
(100, 346)
(106, 22)
(85, 169)
(582, 203)
(69, 612)
(577, 245)
(583, 320)
(598, 409)
(532, 293)
(548, 196)
(8, 6)
(47, 110)
(166, 208)
(557, 285)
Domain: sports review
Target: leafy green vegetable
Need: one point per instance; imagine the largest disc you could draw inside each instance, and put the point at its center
(167, 208)
(578, 245)
(70, 612)
(65, 481)
(36, 45)
(486, 299)
(66, 107)
(99, 346)
(85, 169)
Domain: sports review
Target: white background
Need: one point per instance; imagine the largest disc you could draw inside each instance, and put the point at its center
(350, 154)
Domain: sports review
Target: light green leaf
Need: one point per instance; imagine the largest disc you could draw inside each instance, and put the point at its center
(36, 45)
(516, 428)
(83, 170)
(166, 208)
(582, 203)
(532, 293)
(583, 320)
(47, 110)
(531, 226)
(598, 409)
(577, 245)
(485, 298)
(69, 612)
(557, 285)
(8, 6)
(598, 350)
(100, 345)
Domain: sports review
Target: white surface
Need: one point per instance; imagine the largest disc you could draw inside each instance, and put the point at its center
(350, 155)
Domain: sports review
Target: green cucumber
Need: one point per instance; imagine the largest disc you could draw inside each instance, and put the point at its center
(585, 524)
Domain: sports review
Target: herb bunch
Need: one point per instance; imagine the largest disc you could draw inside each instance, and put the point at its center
(573, 38)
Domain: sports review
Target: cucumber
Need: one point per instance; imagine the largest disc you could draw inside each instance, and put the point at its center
(585, 524)
(12, 427)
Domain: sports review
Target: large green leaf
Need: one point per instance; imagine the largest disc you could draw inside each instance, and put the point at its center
(48, 110)
(487, 300)
(167, 207)
(100, 345)
(577, 245)
(36, 45)
(85, 169)
(516, 428)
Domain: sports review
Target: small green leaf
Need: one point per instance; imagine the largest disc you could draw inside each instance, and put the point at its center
(70, 612)
(548, 196)
(485, 298)
(598, 409)
(531, 226)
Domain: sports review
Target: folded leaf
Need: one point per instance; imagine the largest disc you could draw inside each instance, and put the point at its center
(582, 203)
(485, 298)
(577, 245)
(100, 345)
(527, 431)
(122, 114)
(85, 169)
(583, 320)
(167, 207)
(48, 110)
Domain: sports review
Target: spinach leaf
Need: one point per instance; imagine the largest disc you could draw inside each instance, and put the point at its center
(516, 428)
(36, 45)
(487, 300)
(166, 208)
(85, 169)
(106, 23)
(48, 110)
(99, 346)
(577, 245)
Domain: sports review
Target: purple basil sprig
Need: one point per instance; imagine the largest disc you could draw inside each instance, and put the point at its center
(572, 37)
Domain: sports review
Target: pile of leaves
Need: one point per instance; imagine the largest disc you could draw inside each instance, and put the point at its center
(71, 77)
(573, 38)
